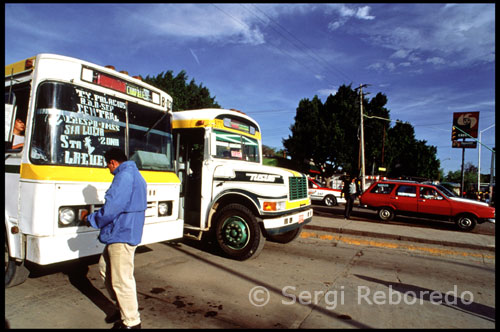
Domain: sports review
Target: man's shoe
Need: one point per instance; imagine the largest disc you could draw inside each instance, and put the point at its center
(115, 317)
(120, 326)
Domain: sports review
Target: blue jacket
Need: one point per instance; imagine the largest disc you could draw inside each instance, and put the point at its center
(121, 218)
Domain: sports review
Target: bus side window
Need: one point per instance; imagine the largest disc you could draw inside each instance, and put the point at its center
(16, 109)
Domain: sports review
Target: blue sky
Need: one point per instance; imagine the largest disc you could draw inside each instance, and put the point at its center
(430, 60)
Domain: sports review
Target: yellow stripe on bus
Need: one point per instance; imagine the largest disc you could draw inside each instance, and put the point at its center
(297, 204)
(86, 174)
(17, 67)
(214, 123)
(294, 173)
(192, 123)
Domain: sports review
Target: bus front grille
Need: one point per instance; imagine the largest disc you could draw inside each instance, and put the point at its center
(298, 188)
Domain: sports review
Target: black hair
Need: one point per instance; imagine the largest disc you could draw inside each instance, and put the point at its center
(115, 154)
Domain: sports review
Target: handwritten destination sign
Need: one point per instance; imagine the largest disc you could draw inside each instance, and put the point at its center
(96, 125)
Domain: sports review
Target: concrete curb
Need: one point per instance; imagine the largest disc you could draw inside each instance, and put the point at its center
(399, 237)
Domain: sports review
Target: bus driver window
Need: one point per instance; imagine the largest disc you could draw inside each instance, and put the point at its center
(18, 140)
(16, 105)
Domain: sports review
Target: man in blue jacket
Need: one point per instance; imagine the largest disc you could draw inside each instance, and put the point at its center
(121, 222)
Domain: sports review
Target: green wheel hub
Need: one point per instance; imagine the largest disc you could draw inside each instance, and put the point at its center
(235, 232)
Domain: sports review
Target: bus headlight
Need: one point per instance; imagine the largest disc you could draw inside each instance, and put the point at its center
(165, 209)
(70, 216)
(274, 206)
(66, 216)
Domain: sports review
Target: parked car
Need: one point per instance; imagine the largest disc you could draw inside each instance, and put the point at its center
(327, 196)
(425, 200)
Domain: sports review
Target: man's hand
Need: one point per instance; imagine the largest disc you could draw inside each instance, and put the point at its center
(83, 217)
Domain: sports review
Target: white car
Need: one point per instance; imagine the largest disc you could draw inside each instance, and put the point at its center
(327, 196)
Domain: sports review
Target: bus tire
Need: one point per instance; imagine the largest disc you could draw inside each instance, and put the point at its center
(285, 237)
(15, 272)
(238, 233)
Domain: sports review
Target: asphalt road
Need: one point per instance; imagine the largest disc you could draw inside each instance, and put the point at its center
(309, 283)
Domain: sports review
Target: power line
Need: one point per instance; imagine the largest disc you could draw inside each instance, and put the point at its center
(271, 44)
(310, 52)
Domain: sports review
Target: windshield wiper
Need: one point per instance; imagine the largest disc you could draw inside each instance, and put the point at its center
(155, 124)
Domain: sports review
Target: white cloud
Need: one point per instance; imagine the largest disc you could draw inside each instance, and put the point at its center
(400, 54)
(328, 91)
(435, 60)
(390, 66)
(377, 66)
(332, 26)
(363, 13)
(382, 66)
(346, 13)
(457, 35)
(221, 22)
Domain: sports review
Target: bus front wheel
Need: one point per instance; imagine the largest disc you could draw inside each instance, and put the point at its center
(238, 233)
(15, 272)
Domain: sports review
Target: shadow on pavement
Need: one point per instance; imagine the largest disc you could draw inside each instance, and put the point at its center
(76, 271)
(449, 299)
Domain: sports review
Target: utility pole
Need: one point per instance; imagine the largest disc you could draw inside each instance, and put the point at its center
(479, 159)
(492, 175)
(363, 181)
(462, 174)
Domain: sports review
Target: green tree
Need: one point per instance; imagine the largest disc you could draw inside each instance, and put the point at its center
(342, 118)
(308, 134)
(329, 134)
(470, 176)
(401, 138)
(408, 156)
(375, 131)
(268, 151)
(185, 96)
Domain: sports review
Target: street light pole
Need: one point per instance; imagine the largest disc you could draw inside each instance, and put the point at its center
(479, 160)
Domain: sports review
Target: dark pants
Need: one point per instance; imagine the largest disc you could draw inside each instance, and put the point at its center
(349, 203)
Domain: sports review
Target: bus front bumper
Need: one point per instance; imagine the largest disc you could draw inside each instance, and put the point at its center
(285, 223)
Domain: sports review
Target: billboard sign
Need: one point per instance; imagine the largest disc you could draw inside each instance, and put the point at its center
(467, 122)
(464, 144)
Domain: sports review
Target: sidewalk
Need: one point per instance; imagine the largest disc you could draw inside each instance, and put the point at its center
(402, 233)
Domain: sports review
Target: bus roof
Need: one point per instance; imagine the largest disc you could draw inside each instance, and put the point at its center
(119, 81)
(30, 63)
(20, 66)
(193, 116)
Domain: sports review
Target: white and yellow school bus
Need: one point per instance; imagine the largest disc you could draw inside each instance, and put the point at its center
(73, 112)
(227, 191)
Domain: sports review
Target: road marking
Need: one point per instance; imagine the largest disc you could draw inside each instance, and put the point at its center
(391, 245)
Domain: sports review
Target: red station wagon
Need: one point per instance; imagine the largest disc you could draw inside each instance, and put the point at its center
(425, 200)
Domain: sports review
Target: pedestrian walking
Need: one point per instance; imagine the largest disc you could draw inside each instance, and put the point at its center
(350, 191)
(121, 223)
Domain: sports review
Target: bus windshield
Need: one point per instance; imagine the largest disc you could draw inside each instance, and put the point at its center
(236, 147)
(75, 126)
